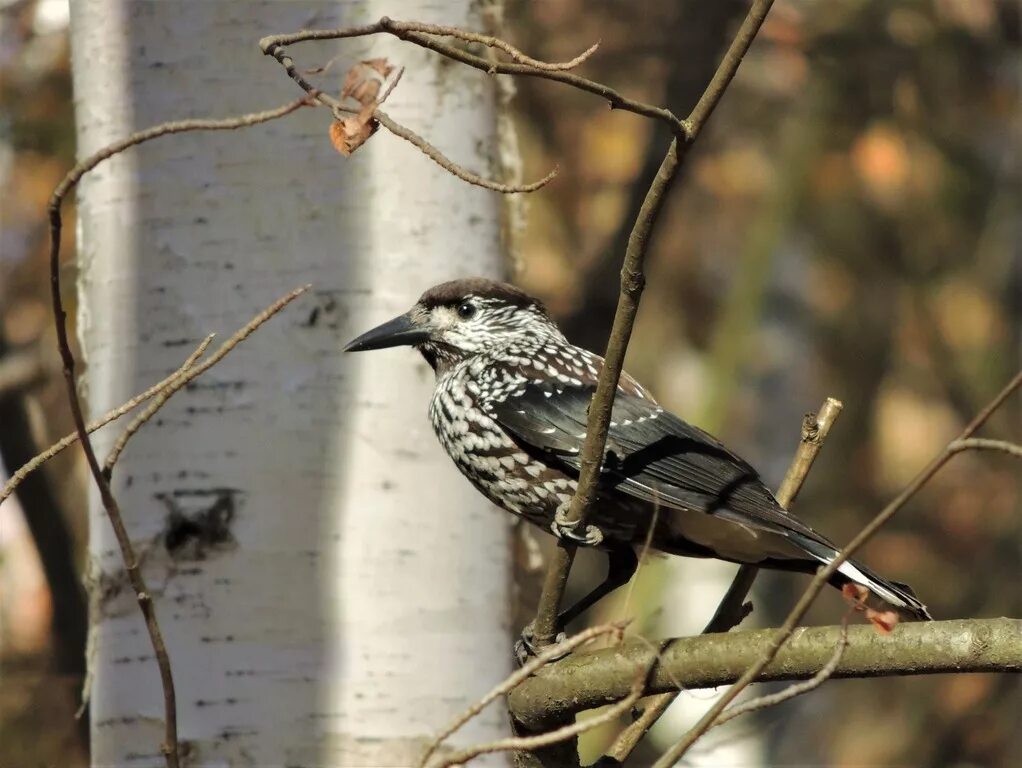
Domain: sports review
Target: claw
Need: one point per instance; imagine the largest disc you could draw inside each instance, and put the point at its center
(562, 529)
(526, 647)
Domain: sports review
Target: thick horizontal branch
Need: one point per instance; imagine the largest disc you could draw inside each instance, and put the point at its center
(587, 680)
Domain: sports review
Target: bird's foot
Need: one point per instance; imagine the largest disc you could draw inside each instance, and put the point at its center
(527, 648)
(563, 529)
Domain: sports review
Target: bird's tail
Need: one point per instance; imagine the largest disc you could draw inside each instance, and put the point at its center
(883, 592)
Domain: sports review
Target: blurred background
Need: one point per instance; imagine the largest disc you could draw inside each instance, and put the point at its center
(847, 226)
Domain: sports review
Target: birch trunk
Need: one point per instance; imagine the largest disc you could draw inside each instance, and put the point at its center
(331, 591)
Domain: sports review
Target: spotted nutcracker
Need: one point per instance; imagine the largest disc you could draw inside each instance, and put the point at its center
(510, 408)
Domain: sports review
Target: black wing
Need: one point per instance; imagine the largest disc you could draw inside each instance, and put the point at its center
(651, 454)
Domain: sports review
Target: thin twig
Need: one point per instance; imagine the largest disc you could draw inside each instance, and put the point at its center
(678, 750)
(565, 732)
(337, 108)
(158, 402)
(169, 748)
(793, 690)
(632, 283)
(190, 371)
(815, 428)
(464, 174)
(493, 42)
(166, 129)
(273, 45)
(71, 438)
(982, 444)
(516, 678)
(733, 608)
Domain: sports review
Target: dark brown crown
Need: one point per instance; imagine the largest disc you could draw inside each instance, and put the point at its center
(455, 291)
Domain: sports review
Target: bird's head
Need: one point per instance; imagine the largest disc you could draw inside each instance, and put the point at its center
(454, 321)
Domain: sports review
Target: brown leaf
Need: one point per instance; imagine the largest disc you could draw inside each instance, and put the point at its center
(381, 66)
(364, 80)
(349, 134)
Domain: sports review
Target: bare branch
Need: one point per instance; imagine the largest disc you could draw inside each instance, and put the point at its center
(815, 428)
(781, 635)
(516, 678)
(166, 129)
(273, 45)
(29, 467)
(157, 403)
(981, 444)
(796, 689)
(437, 157)
(595, 678)
(170, 746)
(492, 42)
(339, 108)
(632, 283)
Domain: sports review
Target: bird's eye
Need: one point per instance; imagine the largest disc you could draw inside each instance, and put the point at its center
(466, 310)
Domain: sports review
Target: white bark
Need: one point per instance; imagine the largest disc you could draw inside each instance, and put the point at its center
(358, 598)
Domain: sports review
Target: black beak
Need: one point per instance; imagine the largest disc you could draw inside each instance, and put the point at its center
(400, 332)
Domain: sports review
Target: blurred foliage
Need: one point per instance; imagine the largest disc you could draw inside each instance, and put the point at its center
(846, 227)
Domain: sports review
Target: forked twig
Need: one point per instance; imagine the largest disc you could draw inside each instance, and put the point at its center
(169, 748)
(274, 45)
(793, 690)
(516, 678)
(557, 735)
(19, 475)
(338, 108)
(491, 42)
(632, 283)
(158, 402)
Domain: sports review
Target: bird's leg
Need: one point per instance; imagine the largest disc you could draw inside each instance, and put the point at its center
(563, 529)
(621, 565)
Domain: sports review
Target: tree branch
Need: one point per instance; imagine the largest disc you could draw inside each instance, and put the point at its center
(586, 680)
(815, 428)
(170, 746)
(337, 107)
(795, 689)
(519, 676)
(273, 45)
(632, 283)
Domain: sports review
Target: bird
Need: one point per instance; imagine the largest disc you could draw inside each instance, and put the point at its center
(510, 408)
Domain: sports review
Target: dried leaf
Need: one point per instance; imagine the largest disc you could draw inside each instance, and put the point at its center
(362, 83)
(364, 80)
(349, 134)
(381, 66)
